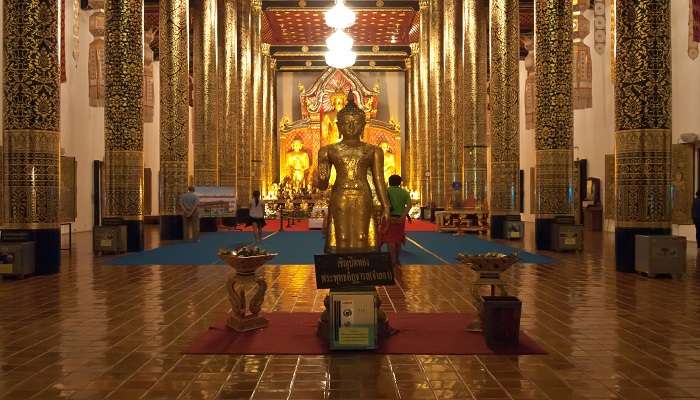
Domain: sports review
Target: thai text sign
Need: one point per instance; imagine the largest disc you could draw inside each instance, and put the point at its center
(357, 269)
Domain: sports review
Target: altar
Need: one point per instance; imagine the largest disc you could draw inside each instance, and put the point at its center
(300, 140)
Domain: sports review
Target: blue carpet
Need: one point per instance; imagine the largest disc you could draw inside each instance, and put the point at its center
(448, 246)
(299, 248)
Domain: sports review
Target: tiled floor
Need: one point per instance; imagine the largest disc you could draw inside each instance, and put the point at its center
(95, 332)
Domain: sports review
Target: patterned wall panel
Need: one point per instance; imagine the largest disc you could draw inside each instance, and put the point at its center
(68, 209)
(609, 205)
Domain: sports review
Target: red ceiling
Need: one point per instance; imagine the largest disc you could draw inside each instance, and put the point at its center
(307, 27)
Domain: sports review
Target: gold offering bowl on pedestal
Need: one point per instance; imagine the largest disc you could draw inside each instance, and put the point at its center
(489, 266)
(246, 290)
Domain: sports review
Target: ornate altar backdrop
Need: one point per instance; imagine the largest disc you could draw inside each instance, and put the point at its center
(316, 102)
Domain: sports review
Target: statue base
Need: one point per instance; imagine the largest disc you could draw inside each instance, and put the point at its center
(246, 324)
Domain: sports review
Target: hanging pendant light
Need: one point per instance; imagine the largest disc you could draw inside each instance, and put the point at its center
(340, 16)
(339, 40)
(340, 58)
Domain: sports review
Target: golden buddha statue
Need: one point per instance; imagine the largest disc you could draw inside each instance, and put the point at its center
(329, 124)
(297, 165)
(352, 225)
(389, 160)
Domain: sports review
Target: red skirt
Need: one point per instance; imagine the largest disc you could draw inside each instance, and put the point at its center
(395, 231)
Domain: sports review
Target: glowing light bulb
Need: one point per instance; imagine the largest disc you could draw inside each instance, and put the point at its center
(340, 16)
(339, 40)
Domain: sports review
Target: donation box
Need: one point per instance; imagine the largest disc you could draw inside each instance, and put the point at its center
(353, 320)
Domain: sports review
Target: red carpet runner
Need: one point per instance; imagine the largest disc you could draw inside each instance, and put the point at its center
(295, 333)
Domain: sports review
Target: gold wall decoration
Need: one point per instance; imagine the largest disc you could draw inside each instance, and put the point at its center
(435, 119)
(123, 179)
(475, 67)
(554, 122)
(418, 152)
(265, 131)
(205, 135)
(174, 103)
(577, 192)
(609, 206)
(504, 93)
(452, 119)
(68, 208)
(409, 147)
(682, 182)
(423, 101)
(582, 64)
(692, 44)
(643, 114)
(244, 137)
(31, 112)
(533, 190)
(228, 92)
(148, 89)
(96, 59)
(599, 23)
(272, 116)
(147, 191)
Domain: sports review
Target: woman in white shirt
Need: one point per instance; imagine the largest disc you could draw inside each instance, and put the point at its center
(257, 216)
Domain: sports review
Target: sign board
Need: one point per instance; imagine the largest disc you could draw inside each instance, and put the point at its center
(222, 201)
(353, 317)
(353, 270)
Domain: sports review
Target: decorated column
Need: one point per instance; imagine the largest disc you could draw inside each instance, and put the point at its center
(174, 113)
(31, 112)
(505, 120)
(451, 103)
(554, 121)
(228, 93)
(642, 123)
(243, 139)
(272, 116)
(123, 176)
(417, 151)
(423, 108)
(264, 121)
(205, 135)
(257, 94)
(437, 134)
(475, 60)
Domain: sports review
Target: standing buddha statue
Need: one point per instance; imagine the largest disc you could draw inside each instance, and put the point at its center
(329, 124)
(352, 226)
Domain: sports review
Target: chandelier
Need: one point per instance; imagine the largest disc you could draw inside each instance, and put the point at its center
(340, 54)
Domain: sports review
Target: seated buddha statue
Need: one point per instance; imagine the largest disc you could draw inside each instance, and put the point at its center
(297, 165)
(329, 124)
(351, 226)
(389, 160)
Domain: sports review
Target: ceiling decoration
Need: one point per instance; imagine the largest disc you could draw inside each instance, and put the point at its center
(306, 26)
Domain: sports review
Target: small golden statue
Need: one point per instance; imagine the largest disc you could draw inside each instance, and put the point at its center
(297, 165)
(389, 160)
(352, 226)
(329, 125)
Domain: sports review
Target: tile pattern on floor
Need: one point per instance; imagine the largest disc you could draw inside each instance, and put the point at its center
(111, 332)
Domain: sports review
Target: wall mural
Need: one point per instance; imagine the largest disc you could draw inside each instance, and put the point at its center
(682, 183)
(68, 208)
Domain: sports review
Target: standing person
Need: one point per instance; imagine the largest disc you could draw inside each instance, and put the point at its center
(189, 203)
(257, 216)
(395, 233)
(696, 217)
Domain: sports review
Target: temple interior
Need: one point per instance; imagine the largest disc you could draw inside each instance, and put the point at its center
(350, 199)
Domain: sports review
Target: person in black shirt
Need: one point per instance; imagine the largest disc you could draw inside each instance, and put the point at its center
(696, 217)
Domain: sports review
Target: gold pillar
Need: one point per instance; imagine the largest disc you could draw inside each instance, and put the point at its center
(554, 120)
(423, 102)
(409, 147)
(31, 127)
(642, 123)
(174, 112)
(417, 151)
(505, 119)
(475, 60)
(205, 135)
(274, 145)
(257, 84)
(264, 126)
(243, 139)
(228, 92)
(435, 119)
(123, 178)
(453, 142)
